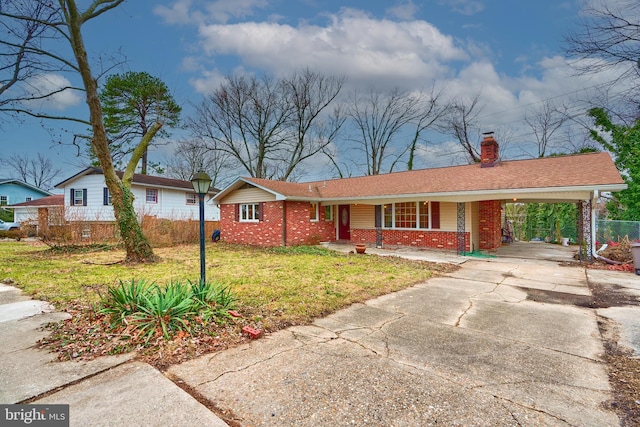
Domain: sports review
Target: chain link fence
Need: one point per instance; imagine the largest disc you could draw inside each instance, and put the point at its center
(614, 231)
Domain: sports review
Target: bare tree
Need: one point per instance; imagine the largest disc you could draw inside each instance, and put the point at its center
(379, 119)
(269, 126)
(62, 22)
(430, 111)
(39, 171)
(26, 26)
(608, 38)
(545, 123)
(462, 123)
(193, 155)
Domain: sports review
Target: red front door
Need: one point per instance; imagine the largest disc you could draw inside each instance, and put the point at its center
(344, 222)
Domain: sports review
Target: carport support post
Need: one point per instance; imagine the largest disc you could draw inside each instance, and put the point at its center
(585, 234)
(460, 207)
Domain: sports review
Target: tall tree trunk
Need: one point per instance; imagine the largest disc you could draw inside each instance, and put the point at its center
(136, 244)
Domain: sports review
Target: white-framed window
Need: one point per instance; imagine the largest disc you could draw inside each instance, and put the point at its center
(406, 215)
(192, 199)
(152, 195)
(4, 200)
(313, 211)
(27, 199)
(78, 197)
(328, 213)
(250, 212)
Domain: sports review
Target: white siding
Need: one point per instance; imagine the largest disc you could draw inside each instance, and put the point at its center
(172, 203)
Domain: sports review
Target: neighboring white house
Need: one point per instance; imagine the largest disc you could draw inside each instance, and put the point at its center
(87, 198)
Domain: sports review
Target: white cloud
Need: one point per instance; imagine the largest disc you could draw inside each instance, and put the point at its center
(46, 84)
(464, 7)
(223, 10)
(178, 13)
(220, 11)
(404, 11)
(352, 44)
(209, 81)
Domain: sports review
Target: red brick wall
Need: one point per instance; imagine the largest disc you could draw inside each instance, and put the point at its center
(268, 232)
(302, 231)
(418, 238)
(265, 233)
(490, 225)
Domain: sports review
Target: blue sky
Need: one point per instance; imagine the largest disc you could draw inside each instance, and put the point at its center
(509, 51)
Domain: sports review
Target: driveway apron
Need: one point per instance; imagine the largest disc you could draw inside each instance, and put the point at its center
(467, 349)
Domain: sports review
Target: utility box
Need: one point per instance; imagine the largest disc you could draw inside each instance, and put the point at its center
(635, 253)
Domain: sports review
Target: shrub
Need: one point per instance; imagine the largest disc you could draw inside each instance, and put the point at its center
(155, 310)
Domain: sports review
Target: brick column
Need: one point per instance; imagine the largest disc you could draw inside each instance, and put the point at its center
(490, 225)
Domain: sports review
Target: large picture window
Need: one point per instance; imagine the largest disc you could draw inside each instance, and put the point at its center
(418, 215)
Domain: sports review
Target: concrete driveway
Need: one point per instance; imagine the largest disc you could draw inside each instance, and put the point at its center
(467, 349)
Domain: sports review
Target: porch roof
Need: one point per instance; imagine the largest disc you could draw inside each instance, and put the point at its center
(563, 178)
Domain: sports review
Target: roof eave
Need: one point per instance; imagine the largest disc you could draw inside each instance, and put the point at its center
(475, 195)
(241, 181)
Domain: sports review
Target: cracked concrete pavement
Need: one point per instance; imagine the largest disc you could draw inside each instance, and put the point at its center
(107, 391)
(467, 349)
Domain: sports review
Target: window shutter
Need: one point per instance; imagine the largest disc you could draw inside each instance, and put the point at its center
(72, 193)
(237, 213)
(84, 197)
(105, 196)
(261, 211)
(435, 214)
(378, 216)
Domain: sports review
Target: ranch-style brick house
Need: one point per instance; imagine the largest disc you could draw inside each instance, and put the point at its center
(456, 208)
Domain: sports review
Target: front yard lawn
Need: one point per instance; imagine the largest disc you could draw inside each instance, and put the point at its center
(274, 288)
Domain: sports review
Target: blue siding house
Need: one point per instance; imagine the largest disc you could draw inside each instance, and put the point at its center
(14, 191)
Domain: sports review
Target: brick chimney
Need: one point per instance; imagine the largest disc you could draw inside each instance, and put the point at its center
(488, 151)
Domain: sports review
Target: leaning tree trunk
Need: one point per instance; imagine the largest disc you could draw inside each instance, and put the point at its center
(136, 244)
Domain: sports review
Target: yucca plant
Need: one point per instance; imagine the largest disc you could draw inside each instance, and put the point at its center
(152, 309)
(167, 310)
(124, 300)
(214, 299)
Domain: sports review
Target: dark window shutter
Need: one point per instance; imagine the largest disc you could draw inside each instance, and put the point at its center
(261, 211)
(71, 198)
(378, 215)
(435, 214)
(105, 196)
(237, 213)
(84, 197)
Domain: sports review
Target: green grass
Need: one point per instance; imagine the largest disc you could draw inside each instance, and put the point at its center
(293, 284)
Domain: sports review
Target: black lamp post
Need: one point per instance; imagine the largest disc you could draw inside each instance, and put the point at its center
(201, 183)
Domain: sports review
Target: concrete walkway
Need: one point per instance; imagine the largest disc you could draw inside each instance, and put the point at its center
(107, 391)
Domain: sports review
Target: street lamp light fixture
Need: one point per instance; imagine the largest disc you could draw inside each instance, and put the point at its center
(201, 183)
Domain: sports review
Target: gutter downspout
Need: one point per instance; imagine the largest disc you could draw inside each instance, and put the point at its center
(594, 199)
